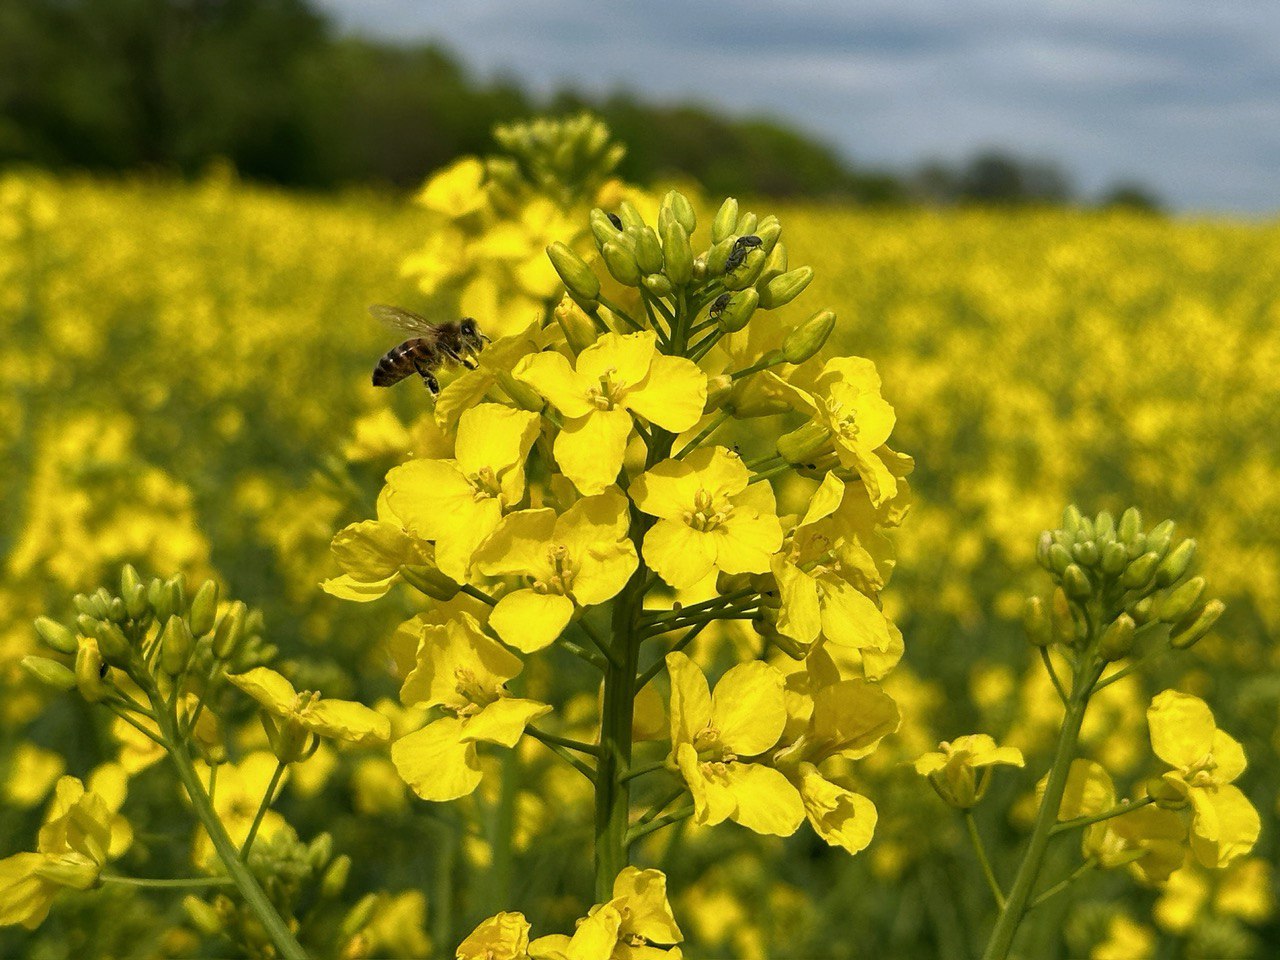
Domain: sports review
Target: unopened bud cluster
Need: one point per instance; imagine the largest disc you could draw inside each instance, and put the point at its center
(147, 630)
(1115, 582)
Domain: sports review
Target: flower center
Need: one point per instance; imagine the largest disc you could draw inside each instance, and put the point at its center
(1202, 772)
(843, 421)
(562, 572)
(304, 701)
(468, 686)
(484, 484)
(705, 516)
(606, 394)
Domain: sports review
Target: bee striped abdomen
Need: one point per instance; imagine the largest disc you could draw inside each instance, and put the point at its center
(403, 361)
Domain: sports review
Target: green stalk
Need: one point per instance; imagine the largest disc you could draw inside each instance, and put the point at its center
(1019, 897)
(281, 936)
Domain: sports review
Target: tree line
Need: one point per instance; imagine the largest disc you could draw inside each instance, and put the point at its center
(272, 87)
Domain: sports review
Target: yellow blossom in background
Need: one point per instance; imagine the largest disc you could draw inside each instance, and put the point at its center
(618, 376)
(239, 790)
(1125, 940)
(501, 937)
(457, 503)
(581, 558)
(465, 672)
(959, 769)
(1225, 824)
(710, 517)
(713, 737)
(32, 773)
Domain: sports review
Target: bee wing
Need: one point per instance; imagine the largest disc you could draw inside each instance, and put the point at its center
(406, 321)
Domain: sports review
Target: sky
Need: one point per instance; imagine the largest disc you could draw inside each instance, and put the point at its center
(1181, 95)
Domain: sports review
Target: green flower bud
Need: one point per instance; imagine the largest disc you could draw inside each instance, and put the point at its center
(129, 579)
(1071, 521)
(1086, 530)
(1160, 536)
(1076, 582)
(1117, 639)
(808, 338)
(135, 602)
(204, 609)
(91, 671)
(51, 672)
(775, 263)
(801, 444)
(718, 257)
(1059, 559)
(648, 249)
(1175, 605)
(682, 210)
(229, 632)
(602, 228)
(1139, 572)
(335, 878)
(1062, 619)
(84, 605)
(657, 284)
(1036, 622)
(578, 328)
(1115, 558)
(747, 273)
(115, 646)
(176, 644)
(1043, 546)
(100, 604)
(359, 915)
(202, 916)
(579, 279)
(1105, 526)
(678, 254)
(1130, 525)
(87, 625)
(1086, 553)
(56, 636)
(737, 312)
(116, 610)
(1141, 610)
(782, 289)
(525, 397)
(320, 850)
(629, 215)
(1192, 634)
(726, 219)
(431, 582)
(177, 587)
(1178, 561)
(155, 595)
(768, 230)
(746, 224)
(621, 263)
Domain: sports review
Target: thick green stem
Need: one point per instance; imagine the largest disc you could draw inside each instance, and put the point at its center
(1019, 897)
(254, 896)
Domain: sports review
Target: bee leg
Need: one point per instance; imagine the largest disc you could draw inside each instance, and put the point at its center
(430, 382)
(469, 361)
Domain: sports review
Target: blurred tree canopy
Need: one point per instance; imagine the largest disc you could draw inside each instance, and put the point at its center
(171, 85)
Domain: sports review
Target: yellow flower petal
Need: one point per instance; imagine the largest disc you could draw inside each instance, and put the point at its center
(497, 438)
(840, 817)
(373, 550)
(435, 762)
(648, 911)
(1182, 728)
(765, 801)
(690, 699)
(1226, 825)
(590, 449)
(552, 376)
(531, 621)
(518, 544)
(850, 718)
(349, 721)
(825, 500)
(501, 937)
(851, 618)
(801, 615)
(748, 708)
(672, 395)
(503, 722)
(679, 554)
(453, 650)
(622, 359)
(344, 587)
(267, 687)
(712, 801)
(745, 544)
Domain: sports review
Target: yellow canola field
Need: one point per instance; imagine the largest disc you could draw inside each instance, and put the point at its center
(183, 368)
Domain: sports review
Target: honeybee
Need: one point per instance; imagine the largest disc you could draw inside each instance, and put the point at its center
(432, 346)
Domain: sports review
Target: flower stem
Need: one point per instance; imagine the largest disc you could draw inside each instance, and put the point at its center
(983, 861)
(1061, 885)
(263, 807)
(255, 897)
(175, 883)
(643, 830)
(1116, 811)
(1024, 881)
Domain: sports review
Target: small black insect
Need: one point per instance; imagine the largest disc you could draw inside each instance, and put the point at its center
(718, 305)
(739, 252)
(615, 220)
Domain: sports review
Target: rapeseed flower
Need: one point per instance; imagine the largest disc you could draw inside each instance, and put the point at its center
(954, 767)
(617, 376)
(715, 736)
(580, 558)
(330, 719)
(464, 672)
(711, 517)
(457, 503)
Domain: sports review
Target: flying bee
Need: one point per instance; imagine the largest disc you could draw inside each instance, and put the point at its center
(739, 252)
(432, 346)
